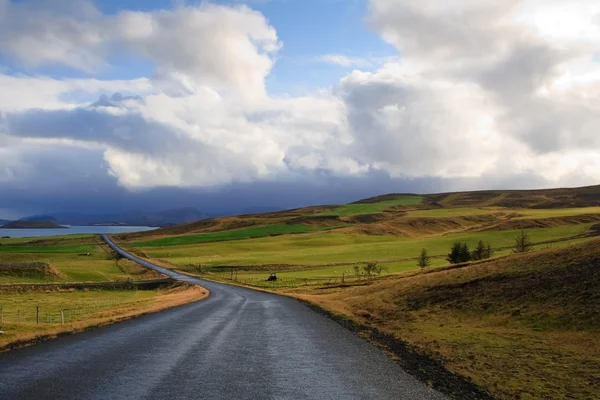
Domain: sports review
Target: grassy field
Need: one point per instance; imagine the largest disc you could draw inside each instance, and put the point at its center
(238, 234)
(372, 208)
(327, 248)
(82, 258)
(80, 309)
(523, 327)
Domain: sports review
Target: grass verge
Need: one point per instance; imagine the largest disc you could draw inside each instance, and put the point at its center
(83, 309)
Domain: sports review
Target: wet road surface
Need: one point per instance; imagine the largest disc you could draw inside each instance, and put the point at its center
(236, 344)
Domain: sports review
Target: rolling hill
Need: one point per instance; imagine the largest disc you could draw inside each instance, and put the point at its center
(517, 325)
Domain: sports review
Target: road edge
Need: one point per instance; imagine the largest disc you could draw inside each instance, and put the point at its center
(418, 364)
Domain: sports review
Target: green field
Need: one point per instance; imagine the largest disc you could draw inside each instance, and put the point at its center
(347, 210)
(47, 249)
(238, 234)
(326, 248)
(86, 261)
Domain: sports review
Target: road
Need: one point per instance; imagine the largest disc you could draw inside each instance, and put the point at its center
(236, 344)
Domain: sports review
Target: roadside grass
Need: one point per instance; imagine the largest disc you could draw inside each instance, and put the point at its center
(319, 249)
(239, 234)
(82, 309)
(525, 326)
(347, 210)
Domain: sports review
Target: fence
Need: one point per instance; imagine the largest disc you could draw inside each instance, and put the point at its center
(24, 264)
(294, 282)
(57, 315)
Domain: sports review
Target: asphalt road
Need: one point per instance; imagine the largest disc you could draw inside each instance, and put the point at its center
(236, 344)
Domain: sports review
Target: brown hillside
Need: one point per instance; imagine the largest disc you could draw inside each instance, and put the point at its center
(525, 326)
(547, 198)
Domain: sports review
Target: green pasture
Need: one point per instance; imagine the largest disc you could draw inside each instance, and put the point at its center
(347, 210)
(72, 261)
(10, 241)
(47, 249)
(333, 274)
(238, 234)
(321, 249)
(557, 212)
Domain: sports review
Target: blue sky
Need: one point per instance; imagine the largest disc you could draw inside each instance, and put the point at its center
(285, 103)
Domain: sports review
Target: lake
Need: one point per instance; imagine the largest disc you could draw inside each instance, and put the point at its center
(74, 230)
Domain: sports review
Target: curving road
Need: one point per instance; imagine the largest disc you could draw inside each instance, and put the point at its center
(236, 344)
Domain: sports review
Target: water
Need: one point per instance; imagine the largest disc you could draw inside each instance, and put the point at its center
(73, 230)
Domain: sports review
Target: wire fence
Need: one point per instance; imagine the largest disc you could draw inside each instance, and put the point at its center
(23, 264)
(40, 314)
(294, 282)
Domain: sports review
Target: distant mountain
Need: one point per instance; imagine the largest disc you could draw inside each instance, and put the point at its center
(32, 225)
(39, 218)
(159, 218)
(4, 222)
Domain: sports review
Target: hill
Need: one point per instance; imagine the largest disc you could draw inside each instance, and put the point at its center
(33, 225)
(412, 215)
(40, 218)
(524, 326)
(21, 224)
(158, 218)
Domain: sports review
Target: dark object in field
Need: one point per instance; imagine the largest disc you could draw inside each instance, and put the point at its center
(273, 277)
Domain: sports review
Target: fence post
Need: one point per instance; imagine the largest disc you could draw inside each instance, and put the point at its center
(19, 315)
(62, 317)
(37, 314)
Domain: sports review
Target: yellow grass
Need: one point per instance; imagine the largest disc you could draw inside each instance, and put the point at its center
(26, 333)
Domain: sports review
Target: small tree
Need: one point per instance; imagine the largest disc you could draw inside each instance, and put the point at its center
(488, 251)
(424, 259)
(357, 271)
(379, 269)
(523, 243)
(370, 268)
(482, 251)
(454, 255)
(459, 253)
(465, 253)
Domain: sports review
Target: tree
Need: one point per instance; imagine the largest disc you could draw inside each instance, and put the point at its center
(424, 259)
(379, 269)
(357, 271)
(482, 251)
(488, 251)
(370, 268)
(523, 243)
(459, 253)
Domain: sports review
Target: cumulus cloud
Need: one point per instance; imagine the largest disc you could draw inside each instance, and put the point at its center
(482, 93)
(209, 44)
